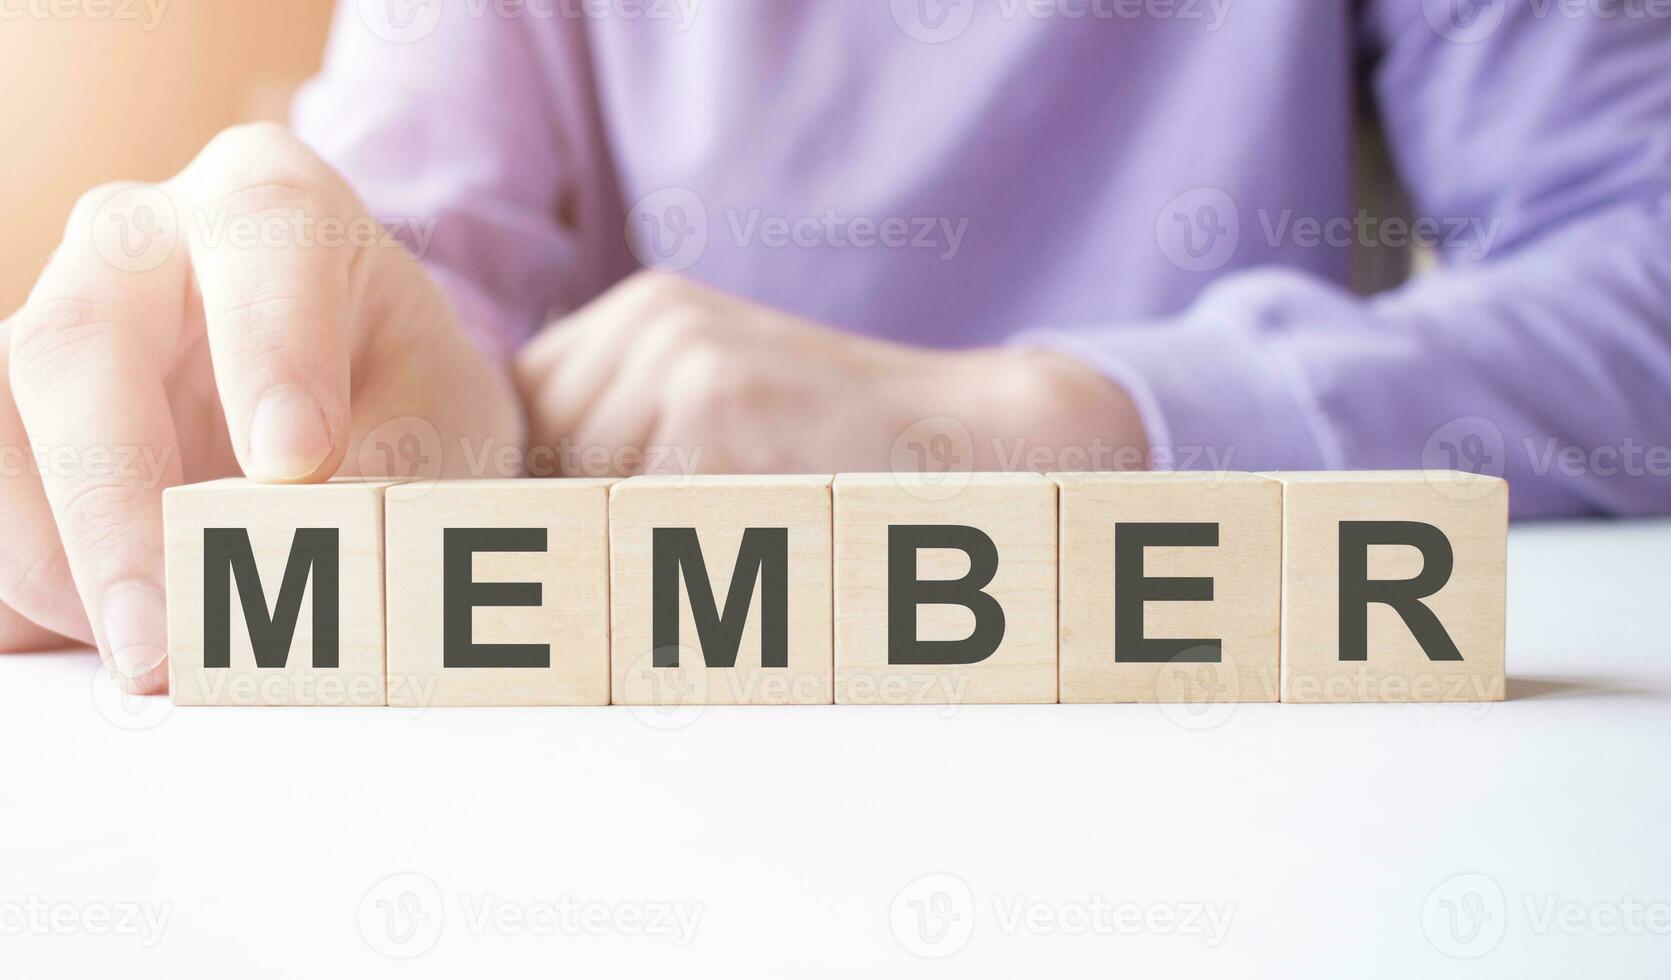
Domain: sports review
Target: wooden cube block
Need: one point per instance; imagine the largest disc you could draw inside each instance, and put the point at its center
(945, 589)
(498, 592)
(720, 590)
(1393, 586)
(275, 593)
(1170, 587)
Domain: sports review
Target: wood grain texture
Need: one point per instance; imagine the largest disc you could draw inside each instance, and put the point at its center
(721, 509)
(271, 514)
(1472, 513)
(1276, 571)
(1018, 512)
(1245, 568)
(572, 572)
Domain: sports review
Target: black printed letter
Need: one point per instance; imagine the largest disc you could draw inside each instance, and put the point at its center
(1132, 589)
(1405, 596)
(227, 552)
(763, 554)
(906, 592)
(461, 594)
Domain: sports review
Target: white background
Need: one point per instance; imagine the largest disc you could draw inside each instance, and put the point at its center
(1331, 836)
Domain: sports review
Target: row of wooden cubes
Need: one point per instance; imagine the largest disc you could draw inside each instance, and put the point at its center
(858, 589)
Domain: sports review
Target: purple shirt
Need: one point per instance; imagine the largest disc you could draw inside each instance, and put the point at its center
(1166, 189)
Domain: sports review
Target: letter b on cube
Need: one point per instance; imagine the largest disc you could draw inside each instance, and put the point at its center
(945, 593)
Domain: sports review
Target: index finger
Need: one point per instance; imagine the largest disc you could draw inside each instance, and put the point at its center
(275, 251)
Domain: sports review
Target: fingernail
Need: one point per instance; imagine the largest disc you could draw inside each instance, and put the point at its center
(288, 438)
(135, 622)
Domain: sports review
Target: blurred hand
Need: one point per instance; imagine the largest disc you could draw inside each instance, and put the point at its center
(666, 375)
(246, 316)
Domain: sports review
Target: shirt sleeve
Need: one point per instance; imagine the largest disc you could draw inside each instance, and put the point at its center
(1536, 142)
(444, 124)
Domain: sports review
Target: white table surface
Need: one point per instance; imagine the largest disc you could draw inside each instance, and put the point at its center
(1331, 836)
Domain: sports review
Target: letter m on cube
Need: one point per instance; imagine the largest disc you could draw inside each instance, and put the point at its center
(275, 593)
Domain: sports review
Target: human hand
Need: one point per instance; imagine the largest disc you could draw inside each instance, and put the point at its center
(666, 375)
(162, 346)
